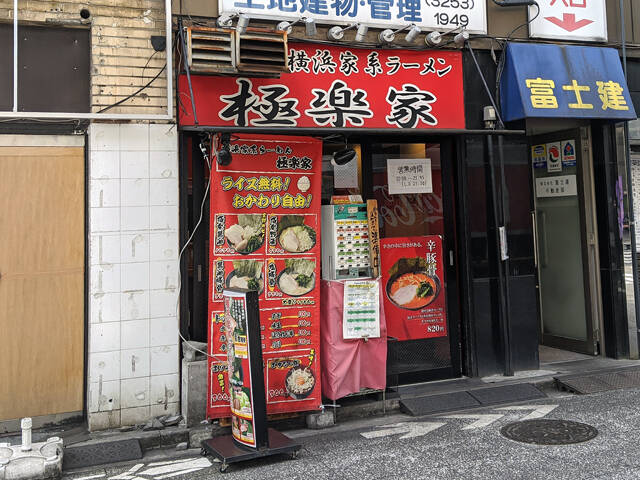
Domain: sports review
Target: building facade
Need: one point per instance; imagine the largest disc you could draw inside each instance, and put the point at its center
(111, 178)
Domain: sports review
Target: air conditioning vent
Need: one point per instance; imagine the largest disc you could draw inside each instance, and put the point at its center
(262, 51)
(211, 50)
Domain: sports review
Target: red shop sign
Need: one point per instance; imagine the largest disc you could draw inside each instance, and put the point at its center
(413, 281)
(265, 236)
(336, 87)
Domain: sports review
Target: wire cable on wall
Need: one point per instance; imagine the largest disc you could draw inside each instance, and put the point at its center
(120, 102)
(207, 158)
(504, 54)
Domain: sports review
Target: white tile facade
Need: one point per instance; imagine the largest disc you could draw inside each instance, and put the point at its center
(133, 250)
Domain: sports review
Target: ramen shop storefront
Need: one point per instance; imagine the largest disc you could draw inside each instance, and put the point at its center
(376, 125)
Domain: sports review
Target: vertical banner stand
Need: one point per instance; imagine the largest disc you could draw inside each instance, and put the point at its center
(250, 438)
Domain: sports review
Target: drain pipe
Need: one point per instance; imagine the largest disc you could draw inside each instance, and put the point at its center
(26, 425)
(632, 223)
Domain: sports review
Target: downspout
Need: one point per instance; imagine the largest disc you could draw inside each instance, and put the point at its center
(632, 223)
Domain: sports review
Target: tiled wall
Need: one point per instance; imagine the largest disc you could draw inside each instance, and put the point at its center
(133, 237)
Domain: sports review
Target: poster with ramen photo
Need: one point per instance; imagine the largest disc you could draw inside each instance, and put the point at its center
(413, 285)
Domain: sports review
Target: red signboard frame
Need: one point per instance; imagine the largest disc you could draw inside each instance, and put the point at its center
(278, 183)
(336, 87)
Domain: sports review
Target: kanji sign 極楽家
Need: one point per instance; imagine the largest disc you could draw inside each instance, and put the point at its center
(336, 87)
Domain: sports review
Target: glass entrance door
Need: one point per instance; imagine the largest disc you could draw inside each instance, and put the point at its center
(420, 356)
(562, 199)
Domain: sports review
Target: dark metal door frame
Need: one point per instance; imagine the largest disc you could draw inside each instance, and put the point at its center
(590, 345)
(448, 155)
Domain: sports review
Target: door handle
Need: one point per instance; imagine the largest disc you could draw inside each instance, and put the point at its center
(534, 229)
(543, 221)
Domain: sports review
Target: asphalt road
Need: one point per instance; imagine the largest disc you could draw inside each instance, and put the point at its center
(434, 447)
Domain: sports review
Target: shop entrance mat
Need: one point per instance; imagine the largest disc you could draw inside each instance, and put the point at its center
(461, 400)
(506, 394)
(599, 382)
(101, 453)
(444, 402)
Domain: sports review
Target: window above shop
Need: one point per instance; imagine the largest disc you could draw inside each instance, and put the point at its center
(53, 69)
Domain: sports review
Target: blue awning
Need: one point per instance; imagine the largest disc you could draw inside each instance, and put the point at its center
(563, 81)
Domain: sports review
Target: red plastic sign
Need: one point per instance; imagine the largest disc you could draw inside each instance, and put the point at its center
(265, 236)
(337, 87)
(413, 284)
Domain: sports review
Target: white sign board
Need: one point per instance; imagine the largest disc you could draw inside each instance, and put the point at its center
(569, 20)
(558, 186)
(439, 15)
(361, 309)
(409, 175)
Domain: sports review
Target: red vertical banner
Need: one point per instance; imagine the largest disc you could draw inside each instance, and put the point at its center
(265, 236)
(413, 282)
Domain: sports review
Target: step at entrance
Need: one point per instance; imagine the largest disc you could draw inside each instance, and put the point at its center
(461, 400)
(600, 382)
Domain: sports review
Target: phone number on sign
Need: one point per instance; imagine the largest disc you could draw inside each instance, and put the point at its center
(449, 19)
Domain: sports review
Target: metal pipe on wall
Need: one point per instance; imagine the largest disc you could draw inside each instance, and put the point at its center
(15, 55)
(503, 311)
(632, 228)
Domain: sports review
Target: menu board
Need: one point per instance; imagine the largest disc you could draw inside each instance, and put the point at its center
(361, 309)
(265, 236)
(413, 282)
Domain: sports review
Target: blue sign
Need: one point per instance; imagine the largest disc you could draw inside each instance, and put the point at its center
(564, 81)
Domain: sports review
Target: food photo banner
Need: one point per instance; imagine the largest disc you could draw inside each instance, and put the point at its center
(265, 236)
(413, 282)
(427, 14)
(336, 87)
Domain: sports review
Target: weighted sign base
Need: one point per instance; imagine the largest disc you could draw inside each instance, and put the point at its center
(228, 451)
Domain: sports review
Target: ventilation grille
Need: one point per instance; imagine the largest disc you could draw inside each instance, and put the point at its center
(211, 50)
(262, 52)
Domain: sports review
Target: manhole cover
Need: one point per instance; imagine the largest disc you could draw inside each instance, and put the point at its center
(549, 432)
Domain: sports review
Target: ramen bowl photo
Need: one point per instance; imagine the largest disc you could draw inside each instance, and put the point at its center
(300, 382)
(412, 290)
(298, 278)
(246, 274)
(294, 236)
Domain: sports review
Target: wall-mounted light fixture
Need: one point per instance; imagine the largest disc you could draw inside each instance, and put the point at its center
(243, 22)
(414, 31)
(361, 32)
(388, 35)
(226, 21)
(433, 39)
(461, 38)
(223, 155)
(309, 25)
(337, 33)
